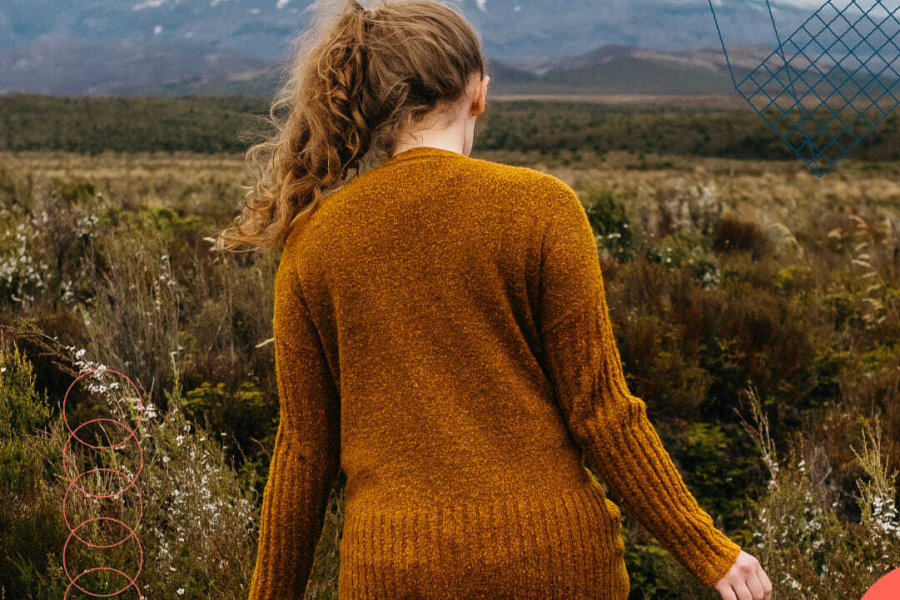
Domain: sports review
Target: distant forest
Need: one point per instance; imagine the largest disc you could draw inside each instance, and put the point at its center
(211, 124)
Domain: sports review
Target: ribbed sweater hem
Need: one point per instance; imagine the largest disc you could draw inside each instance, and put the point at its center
(565, 545)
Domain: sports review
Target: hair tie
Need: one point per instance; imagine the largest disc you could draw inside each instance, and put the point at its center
(365, 12)
(366, 18)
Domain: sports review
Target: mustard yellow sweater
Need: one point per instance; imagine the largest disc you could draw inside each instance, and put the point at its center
(442, 335)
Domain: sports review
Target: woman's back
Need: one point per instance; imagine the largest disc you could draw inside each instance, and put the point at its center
(442, 335)
(420, 277)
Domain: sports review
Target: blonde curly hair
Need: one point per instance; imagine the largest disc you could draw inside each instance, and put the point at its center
(356, 82)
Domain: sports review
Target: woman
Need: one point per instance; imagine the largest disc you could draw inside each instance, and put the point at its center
(441, 334)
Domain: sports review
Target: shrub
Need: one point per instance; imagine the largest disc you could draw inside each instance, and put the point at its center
(28, 512)
(198, 529)
(245, 413)
(132, 321)
(808, 548)
(734, 234)
(610, 222)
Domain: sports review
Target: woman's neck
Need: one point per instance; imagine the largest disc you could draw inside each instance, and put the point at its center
(446, 139)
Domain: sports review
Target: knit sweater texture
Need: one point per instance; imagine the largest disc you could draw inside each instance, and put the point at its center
(442, 335)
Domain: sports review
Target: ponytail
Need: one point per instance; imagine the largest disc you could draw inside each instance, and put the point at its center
(354, 88)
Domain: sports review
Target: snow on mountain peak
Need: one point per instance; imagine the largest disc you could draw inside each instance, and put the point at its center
(148, 4)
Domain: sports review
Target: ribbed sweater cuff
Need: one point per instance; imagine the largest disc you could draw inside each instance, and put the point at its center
(634, 464)
(291, 520)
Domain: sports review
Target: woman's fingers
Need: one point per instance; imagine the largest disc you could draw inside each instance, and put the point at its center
(724, 588)
(766, 584)
(755, 585)
(746, 580)
(742, 591)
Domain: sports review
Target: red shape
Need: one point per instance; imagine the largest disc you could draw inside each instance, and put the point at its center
(886, 588)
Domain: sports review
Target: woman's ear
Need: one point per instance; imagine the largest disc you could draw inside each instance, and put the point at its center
(481, 97)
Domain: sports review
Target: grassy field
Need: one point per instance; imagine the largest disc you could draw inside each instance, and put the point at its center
(756, 307)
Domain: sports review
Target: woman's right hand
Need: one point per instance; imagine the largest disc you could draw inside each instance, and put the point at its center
(746, 580)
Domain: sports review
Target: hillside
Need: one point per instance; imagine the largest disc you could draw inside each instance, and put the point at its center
(215, 46)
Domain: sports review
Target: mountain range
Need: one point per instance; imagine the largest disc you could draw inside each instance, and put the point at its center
(96, 47)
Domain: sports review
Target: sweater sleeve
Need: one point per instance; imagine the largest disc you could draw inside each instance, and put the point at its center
(609, 423)
(306, 459)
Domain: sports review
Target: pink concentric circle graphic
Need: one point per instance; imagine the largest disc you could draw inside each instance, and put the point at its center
(111, 473)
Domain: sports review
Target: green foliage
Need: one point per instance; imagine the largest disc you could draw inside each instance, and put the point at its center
(207, 124)
(22, 412)
(690, 252)
(785, 278)
(198, 525)
(883, 355)
(808, 548)
(74, 192)
(171, 224)
(22, 409)
(95, 124)
(182, 234)
(645, 560)
(610, 223)
(716, 463)
(44, 236)
(27, 513)
(245, 413)
(203, 523)
(828, 366)
(706, 443)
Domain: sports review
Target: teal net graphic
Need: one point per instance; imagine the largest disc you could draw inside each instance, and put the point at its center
(829, 83)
